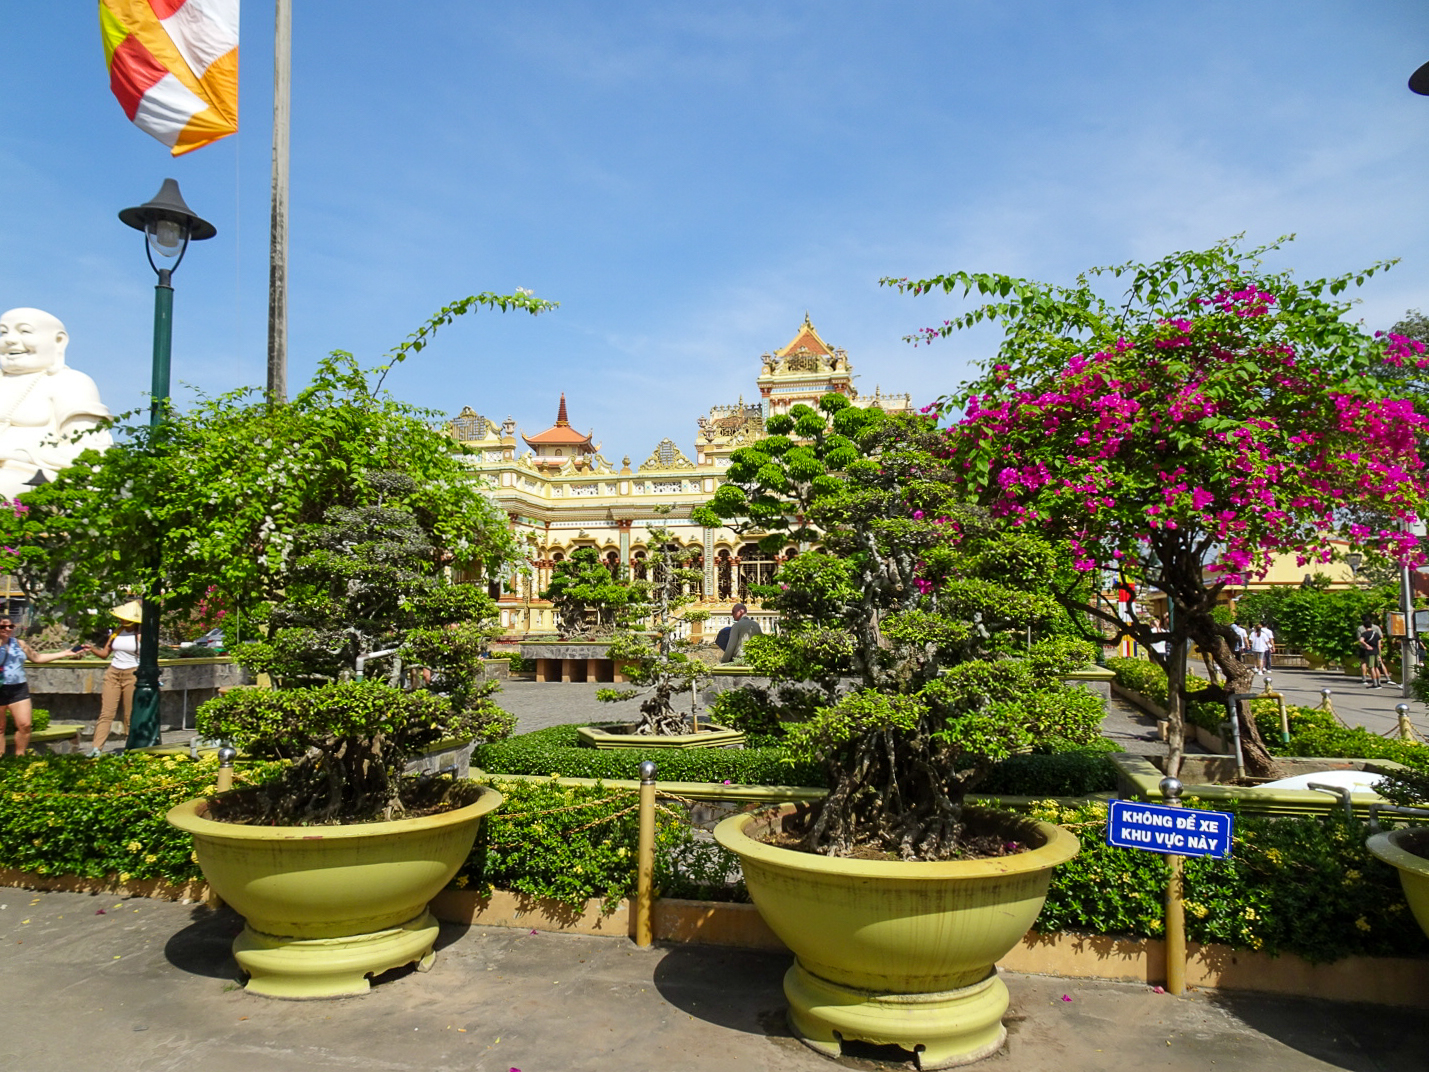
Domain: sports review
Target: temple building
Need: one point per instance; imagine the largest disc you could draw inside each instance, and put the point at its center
(561, 493)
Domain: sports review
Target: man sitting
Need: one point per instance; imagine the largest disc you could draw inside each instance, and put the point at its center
(741, 630)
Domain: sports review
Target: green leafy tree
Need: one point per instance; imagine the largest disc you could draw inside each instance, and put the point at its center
(657, 661)
(219, 491)
(925, 602)
(1215, 415)
(588, 599)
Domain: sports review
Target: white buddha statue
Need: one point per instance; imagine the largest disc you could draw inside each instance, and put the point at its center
(43, 402)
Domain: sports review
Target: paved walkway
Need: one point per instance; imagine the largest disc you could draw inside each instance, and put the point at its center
(150, 986)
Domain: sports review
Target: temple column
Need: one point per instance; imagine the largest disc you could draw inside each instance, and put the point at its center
(624, 525)
(710, 591)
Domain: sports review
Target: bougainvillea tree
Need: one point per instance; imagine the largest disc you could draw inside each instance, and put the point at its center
(1215, 415)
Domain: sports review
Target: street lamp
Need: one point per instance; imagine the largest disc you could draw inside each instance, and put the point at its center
(1419, 81)
(169, 225)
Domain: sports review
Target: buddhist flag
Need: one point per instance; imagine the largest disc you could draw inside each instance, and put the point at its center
(173, 65)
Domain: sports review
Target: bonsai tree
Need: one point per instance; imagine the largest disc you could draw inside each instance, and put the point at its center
(926, 602)
(588, 599)
(367, 592)
(661, 665)
(1214, 415)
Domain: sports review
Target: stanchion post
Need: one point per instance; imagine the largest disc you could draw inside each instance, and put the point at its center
(226, 757)
(1175, 912)
(1406, 729)
(645, 877)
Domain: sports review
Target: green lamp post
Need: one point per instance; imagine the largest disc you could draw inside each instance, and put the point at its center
(169, 225)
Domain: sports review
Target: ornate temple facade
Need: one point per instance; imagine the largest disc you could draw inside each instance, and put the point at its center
(561, 493)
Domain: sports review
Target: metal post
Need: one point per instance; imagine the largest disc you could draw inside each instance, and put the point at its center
(1406, 729)
(1406, 643)
(645, 876)
(144, 720)
(1175, 912)
(226, 756)
(278, 235)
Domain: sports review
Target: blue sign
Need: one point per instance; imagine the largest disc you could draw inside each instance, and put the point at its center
(1158, 828)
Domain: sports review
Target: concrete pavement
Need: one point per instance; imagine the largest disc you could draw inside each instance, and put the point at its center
(150, 985)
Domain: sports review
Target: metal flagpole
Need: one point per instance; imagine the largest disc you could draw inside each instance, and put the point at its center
(278, 240)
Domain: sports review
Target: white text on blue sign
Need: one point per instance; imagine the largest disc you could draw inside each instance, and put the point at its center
(1157, 828)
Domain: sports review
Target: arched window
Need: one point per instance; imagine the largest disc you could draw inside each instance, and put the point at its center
(724, 575)
(755, 567)
(637, 566)
(612, 563)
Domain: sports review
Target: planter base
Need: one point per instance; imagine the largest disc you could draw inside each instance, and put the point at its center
(945, 1029)
(612, 735)
(301, 968)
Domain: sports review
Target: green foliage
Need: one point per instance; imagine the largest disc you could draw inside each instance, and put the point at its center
(1316, 621)
(556, 751)
(574, 843)
(39, 720)
(68, 815)
(218, 492)
(1317, 733)
(1061, 774)
(1305, 886)
(587, 599)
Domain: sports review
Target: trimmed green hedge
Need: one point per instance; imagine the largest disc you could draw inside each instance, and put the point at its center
(69, 815)
(1305, 886)
(572, 843)
(1061, 774)
(1316, 733)
(556, 751)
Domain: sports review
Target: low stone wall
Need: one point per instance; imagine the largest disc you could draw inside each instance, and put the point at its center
(70, 688)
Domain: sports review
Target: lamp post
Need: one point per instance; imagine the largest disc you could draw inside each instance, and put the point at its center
(169, 225)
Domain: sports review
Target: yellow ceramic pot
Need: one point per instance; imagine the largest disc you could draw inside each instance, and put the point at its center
(894, 952)
(1403, 849)
(327, 906)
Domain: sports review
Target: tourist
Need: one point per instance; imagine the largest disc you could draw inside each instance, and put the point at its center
(1369, 638)
(740, 630)
(1262, 646)
(118, 684)
(14, 690)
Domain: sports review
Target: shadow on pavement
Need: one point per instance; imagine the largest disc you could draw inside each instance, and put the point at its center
(204, 947)
(735, 988)
(1357, 1038)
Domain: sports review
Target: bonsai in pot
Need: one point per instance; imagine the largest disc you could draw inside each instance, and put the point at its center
(333, 864)
(897, 898)
(661, 665)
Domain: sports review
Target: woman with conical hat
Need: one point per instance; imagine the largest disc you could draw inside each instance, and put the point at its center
(123, 645)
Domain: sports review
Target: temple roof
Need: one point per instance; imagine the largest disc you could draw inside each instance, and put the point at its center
(807, 339)
(560, 434)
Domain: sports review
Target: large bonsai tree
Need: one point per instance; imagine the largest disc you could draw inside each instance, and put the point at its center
(1215, 414)
(367, 593)
(588, 598)
(925, 602)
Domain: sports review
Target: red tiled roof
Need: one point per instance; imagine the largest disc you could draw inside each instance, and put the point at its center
(560, 434)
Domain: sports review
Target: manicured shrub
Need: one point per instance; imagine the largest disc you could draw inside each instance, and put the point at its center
(1064, 774)
(1317, 733)
(1305, 886)
(574, 843)
(1145, 677)
(555, 751)
(68, 815)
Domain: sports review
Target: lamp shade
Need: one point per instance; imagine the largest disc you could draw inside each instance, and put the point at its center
(1419, 80)
(168, 206)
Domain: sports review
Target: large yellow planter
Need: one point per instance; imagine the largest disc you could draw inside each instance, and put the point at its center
(327, 906)
(1393, 847)
(894, 952)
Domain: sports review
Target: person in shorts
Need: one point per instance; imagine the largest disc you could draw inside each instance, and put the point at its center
(1369, 638)
(1262, 646)
(14, 689)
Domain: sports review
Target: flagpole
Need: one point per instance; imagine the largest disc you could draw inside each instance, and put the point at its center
(278, 239)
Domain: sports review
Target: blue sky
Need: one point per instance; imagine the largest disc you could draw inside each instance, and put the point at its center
(688, 179)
